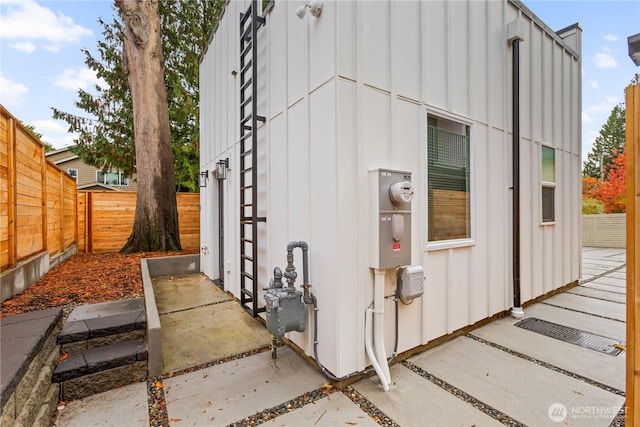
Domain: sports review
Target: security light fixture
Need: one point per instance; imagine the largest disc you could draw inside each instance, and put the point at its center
(315, 6)
(203, 177)
(221, 169)
(634, 48)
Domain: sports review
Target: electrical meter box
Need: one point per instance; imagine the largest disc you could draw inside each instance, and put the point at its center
(391, 193)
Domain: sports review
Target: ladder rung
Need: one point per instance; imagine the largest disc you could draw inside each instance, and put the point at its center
(250, 277)
(245, 119)
(246, 187)
(246, 50)
(246, 205)
(246, 153)
(261, 118)
(246, 127)
(245, 68)
(246, 102)
(246, 34)
(245, 240)
(247, 257)
(246, 169)
(245, 85)
(246, 15)
(245, 136)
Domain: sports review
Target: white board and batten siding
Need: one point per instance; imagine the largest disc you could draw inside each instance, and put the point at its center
(350, 91)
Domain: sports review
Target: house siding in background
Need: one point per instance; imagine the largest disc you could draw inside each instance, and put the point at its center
(86, 176)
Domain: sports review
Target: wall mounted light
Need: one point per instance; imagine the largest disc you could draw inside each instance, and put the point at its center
(314, 6)
(203, 177)
(221, 169)
(634, 48)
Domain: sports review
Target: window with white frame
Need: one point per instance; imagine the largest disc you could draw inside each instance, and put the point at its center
(448, 180)
(112, 178)
(73, 173)
(548, 183)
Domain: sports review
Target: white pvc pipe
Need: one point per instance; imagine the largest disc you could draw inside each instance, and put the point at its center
(378, 324)
(367, 346)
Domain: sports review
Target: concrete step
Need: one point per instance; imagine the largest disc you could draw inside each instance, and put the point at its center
(96, 325)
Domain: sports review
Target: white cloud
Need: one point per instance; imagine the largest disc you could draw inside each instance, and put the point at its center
(24, 46)
(55, 48)
(603, 107)
(27, 20)
(12, 93)
(610, 37)
(76, 79)
(48, 126)
(54, 132)
(586, 117)
(604, 60)
(594, 84)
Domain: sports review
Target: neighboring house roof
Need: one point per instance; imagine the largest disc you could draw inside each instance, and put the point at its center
(88, 177)
(97, 186)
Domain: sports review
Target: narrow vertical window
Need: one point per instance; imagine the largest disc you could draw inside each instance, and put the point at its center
(448, 178)
(548, 184)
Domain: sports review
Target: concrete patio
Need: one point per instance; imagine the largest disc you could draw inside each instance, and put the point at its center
(496, 374)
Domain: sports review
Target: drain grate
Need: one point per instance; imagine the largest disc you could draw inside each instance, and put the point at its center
(571, 335)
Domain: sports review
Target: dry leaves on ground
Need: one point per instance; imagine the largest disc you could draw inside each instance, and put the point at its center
(84, 279)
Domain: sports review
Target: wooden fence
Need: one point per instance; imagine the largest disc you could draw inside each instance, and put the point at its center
(37, 199)
(105, 220)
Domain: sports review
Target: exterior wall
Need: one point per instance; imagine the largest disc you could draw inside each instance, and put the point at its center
(350, 91)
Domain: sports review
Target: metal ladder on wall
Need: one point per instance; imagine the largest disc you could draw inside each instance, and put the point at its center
(250, 21)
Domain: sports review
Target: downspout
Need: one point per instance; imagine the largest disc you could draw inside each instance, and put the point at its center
(516, 311)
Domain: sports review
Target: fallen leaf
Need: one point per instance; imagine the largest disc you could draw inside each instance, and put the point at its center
(351, 423)
(175, 420)
(64, 356)
(159, 384)
(326, 385)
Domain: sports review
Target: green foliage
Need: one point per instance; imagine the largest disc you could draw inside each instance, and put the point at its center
(607, 145)
(592, 206)
(106, 138)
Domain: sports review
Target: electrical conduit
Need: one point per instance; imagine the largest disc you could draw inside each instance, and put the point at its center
(379, 359)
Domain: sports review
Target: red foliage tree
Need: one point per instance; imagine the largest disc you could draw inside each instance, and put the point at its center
(613, 192)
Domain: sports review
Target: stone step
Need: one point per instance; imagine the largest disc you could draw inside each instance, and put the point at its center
(38, 394)
(29, 354)
(96, 325)
(98, 359)
(99, 369)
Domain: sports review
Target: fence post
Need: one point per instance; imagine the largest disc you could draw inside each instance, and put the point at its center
(11, 153)
(633, 255)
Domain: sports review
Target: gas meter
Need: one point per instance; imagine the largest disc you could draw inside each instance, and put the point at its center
(391, 194)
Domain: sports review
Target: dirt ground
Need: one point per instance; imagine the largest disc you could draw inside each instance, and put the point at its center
(83, 279)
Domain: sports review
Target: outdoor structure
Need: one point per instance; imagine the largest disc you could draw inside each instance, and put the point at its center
(89, 177)
(377, 135)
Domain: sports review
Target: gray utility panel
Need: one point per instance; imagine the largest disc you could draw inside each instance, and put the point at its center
(391, 195)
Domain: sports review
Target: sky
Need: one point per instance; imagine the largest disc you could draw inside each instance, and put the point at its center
(42, 65)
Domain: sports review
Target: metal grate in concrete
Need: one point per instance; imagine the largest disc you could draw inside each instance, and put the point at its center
(571, 335)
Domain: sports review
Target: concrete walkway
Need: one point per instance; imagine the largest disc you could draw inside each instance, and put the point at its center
(497, 374)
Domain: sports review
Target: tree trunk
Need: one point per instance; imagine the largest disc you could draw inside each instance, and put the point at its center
(155, 226)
